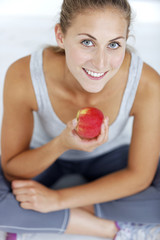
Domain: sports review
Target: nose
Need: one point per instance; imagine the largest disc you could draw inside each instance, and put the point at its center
(99, 60)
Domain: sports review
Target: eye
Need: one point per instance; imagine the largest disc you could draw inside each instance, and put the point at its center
(114, 45)
(87, 43)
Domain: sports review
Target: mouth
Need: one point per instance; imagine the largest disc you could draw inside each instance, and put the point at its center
(94, 75)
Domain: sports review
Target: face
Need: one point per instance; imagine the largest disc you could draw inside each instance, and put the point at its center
(95, 48)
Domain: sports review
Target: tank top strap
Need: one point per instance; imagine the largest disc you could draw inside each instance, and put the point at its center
(135, 71)
(38, 79)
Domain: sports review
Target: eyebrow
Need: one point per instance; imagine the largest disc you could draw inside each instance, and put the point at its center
(114, 39)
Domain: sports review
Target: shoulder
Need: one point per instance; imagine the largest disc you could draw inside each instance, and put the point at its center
(148, 92)
(150, 76)
(18, 83)
(18, 68)
(149, 83)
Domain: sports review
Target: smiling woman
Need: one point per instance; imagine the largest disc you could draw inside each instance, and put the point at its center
(91, 67)
(99, 53)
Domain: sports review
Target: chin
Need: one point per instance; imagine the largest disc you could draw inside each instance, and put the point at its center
(93, 89)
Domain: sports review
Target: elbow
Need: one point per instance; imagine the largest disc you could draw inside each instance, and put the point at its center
(140, 182)
(6, 171)
(144, 183)
(6, 174)
(8, 177)
(12, 172)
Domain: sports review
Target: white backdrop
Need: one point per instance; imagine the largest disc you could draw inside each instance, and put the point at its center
(25, 25)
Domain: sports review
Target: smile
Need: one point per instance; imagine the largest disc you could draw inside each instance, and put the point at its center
(94, 75)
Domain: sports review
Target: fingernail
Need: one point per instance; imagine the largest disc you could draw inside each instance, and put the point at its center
(74, 122)
(107, 120)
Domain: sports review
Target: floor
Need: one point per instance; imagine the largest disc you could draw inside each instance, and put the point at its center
(25, 26)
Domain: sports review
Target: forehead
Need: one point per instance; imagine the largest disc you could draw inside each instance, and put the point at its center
(109, 20)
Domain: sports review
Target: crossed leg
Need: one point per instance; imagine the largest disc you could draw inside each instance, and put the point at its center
(83, 222)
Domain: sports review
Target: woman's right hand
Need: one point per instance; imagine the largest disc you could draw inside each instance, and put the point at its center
(70, 139)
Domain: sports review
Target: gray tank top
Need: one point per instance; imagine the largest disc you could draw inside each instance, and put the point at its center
(47, 125)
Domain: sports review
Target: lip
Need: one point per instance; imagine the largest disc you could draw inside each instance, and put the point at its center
(94, 78)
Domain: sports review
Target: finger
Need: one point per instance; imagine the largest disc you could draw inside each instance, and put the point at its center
(30, 206)
(102, 133)
(27, 205)
(107, 128)
(24, 190)
(106, 119)
(22, 183)
(72, 124)
(18, 191)
(23, 198)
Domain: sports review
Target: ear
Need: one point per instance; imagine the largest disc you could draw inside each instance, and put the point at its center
(59, 36)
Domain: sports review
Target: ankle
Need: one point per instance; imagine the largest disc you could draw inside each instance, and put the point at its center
(110, 229)
(114, 229)
(117, 227)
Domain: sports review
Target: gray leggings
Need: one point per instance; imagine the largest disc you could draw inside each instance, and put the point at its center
(143, 207)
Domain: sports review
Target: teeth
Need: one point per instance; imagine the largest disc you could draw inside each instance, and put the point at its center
(93, 74)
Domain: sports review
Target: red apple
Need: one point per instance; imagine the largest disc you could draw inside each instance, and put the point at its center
(89, 122)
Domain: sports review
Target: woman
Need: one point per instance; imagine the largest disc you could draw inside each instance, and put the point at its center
(43, 92)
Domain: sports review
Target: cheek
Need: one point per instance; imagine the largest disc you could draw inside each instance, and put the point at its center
(72, 55)
(117, 61)
(76, 57)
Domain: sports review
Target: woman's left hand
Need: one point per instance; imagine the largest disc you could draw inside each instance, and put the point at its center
(35, 196)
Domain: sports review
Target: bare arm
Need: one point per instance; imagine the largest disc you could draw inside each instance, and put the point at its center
(18, 161)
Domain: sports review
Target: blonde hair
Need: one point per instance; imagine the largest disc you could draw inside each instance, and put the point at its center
(71, 8)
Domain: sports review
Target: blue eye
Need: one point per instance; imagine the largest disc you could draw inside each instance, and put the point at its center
(87, 43)
(114, 45)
